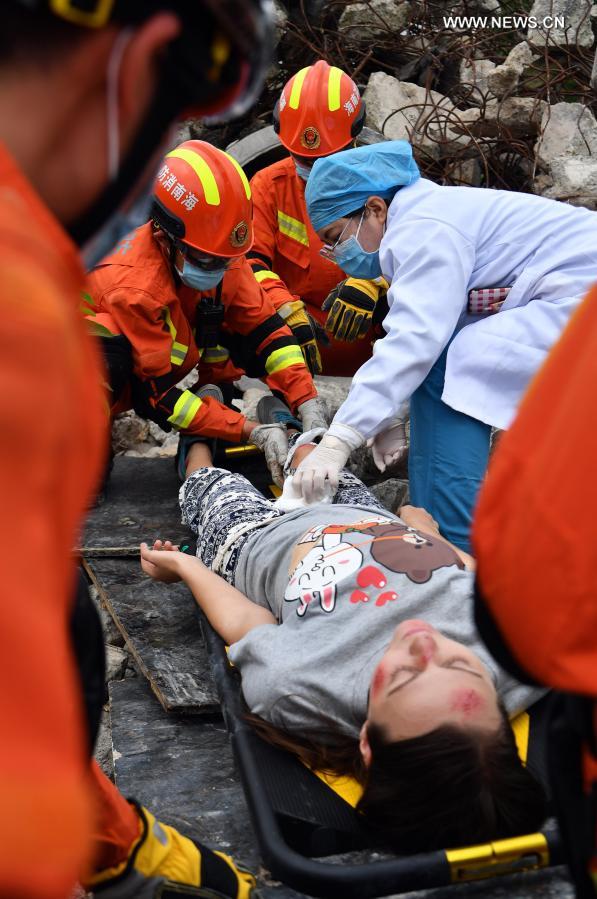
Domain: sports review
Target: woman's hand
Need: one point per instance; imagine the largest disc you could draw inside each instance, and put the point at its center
(162, 562)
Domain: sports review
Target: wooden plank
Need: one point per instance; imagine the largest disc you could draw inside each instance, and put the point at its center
(160, 626)
(183, 771)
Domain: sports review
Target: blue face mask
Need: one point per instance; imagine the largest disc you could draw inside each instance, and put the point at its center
(354, 260)
(198, 278)
(303, 171)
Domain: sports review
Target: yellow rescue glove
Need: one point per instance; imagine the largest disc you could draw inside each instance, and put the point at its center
(351, 305)
(167, 864)
(306, 331)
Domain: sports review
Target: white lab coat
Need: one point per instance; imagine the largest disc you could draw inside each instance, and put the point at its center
(439, 243)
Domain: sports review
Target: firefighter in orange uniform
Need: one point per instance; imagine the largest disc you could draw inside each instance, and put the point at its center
(82, 106)
(181, 292)
(319, 113)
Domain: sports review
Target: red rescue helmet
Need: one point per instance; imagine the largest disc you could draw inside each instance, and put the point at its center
(320, 111)
(202, 197)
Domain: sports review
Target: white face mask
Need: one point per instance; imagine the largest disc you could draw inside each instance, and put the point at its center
(112, 107)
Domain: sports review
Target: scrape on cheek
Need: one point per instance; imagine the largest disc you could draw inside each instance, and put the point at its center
(467, 701)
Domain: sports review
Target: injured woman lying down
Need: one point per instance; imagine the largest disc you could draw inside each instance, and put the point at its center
(352, 629)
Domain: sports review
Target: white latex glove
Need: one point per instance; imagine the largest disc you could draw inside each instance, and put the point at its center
(388, 446)
(273, 441)
(317, 475)
(313, 414)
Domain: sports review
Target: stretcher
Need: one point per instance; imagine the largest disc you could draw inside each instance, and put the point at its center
(308, 831)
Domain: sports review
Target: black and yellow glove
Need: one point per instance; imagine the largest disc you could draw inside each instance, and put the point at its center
(306, 331)
(167, 864)
(351, 305)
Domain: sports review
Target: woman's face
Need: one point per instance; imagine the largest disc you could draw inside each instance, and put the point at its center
(371, 227)
(425, 680)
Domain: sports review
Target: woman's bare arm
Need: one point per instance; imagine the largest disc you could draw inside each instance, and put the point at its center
(229, 611)
(421, 520)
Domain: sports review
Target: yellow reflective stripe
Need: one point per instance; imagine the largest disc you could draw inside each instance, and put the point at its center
(283, 358)
(170, 323)
(178, 353)
(334, 83)
(264, 275)
(243, 177)
(297, 86)
(87, 303)
(291, 227)
(214, 354)
(185, 409)
(203, 172)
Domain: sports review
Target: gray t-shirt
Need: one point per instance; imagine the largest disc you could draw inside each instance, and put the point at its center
(365, 571)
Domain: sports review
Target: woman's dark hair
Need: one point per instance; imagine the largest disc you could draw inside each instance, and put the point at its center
(448, 788)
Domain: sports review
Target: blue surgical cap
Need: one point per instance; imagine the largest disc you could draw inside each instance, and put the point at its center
(343, 182)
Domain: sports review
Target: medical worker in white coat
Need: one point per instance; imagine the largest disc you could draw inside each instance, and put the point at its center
(461, 372)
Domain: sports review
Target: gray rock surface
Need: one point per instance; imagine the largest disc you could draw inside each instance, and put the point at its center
(571, 179)
(577, 31)
(476, 72)
(116, 662)
(504, 78)
(374, 18)
(280, 19)
(568, 129)
(420, 116)
(128, 430)
(103, 745)
(112, 635)
(333, 390)
(392, 493)
(522, 116)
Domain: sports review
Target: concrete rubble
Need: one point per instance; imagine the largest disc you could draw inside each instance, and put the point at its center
(374, 18)
(566, 154)
(576, 31)
(404, 111)
(503, 79)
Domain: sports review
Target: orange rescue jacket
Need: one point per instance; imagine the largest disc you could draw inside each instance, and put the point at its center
(53, 421)
(134, 293)
(286, 260)
(534, 528)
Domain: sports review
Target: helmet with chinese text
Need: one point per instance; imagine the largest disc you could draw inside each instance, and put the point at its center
(202, 197)
(320, 111)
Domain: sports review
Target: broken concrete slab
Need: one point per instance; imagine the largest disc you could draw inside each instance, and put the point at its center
(571, 179)
(504, 78)
(161, 630)
(377, 18)
(475, 72)
(561, 23)
(116, 662)
(141, 504)
(567, 129)
(404, 111)
(183, 771)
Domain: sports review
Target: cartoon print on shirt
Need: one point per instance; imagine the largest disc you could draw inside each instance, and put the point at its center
(315, 533)
(410, 552)
(318, 573)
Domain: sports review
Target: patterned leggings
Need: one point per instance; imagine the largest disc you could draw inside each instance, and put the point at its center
(223, 509)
